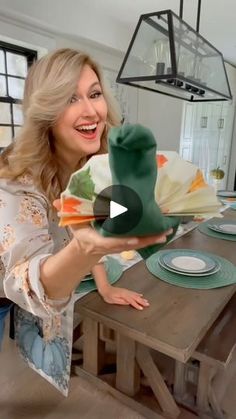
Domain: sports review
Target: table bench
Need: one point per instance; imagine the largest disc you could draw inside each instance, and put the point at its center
(216, 354)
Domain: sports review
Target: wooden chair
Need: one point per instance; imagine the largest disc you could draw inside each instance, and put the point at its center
(216, 359)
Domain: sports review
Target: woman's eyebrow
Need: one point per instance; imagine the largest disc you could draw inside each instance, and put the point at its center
(96, 83)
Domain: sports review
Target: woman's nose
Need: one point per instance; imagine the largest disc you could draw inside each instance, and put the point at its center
(88, 107)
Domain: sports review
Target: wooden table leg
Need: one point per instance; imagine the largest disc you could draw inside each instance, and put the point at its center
(206, 400)
(155, 379)
(127, 372)
(179, 380)
(204, 379)
(94, 348)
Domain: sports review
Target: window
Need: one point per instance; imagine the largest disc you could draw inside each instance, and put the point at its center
(14, 64)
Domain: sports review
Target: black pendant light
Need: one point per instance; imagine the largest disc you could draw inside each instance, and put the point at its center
(168, 56)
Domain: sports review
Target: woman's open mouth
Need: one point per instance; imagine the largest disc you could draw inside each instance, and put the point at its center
(88, 131)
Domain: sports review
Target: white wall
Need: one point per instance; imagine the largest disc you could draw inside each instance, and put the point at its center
(19, 34)
(231, 71)
(163, 115)
(81, 18)
(42, 25)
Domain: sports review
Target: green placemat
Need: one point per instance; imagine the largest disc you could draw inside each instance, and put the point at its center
(205, 230)
(225, 276)
(114, 271)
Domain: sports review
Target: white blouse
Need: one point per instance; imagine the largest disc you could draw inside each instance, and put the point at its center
(29, 233)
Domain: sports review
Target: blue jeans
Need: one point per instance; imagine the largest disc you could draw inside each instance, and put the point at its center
(4, 310)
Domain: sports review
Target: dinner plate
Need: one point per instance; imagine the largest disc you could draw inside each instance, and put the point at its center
(231, 202)
(211, 272)
(87, 277)
(227, 194)
(189, 261)
(224, 227)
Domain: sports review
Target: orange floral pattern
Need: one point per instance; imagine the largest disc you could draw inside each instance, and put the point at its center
(25, 179)
(30, 212)
(8, 238)
(20, 273)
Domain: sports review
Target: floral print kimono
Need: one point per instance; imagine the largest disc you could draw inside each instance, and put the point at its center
(29, 233)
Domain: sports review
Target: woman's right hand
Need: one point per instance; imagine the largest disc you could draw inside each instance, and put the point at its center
(91, 242)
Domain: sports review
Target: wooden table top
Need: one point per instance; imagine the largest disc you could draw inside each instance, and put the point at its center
(177, 318)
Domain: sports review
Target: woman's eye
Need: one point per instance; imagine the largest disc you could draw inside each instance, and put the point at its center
(74, 99)
(95, 95)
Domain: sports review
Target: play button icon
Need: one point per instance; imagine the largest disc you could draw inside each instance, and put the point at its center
(116, 209)
(120, 207)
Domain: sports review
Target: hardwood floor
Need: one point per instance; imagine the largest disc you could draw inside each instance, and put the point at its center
(24, 394)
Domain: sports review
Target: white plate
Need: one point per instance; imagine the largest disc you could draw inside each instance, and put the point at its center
(87, 277)
(227, 194)
(189, 261)
(213, 271)
(226, 228)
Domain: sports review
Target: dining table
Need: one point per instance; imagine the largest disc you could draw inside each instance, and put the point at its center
(174, 324)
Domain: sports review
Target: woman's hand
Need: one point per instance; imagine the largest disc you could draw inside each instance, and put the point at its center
(91, 242)
(122, 296)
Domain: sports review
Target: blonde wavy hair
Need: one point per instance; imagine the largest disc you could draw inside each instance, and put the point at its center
(49, 86)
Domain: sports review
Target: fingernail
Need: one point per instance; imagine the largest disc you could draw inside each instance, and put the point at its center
(133, 241)
(170, 231)
(140, 308)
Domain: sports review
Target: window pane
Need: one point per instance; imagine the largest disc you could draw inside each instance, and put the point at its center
(5, 113)
(3, 90)
(16, 87)
(17, 114)
(16, 64)
(16, 131)
(5, 136)
(2, 64)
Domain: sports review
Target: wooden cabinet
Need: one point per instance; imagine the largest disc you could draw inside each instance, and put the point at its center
(206, 137)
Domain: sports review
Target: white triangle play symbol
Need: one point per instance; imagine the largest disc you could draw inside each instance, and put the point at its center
(116, 209)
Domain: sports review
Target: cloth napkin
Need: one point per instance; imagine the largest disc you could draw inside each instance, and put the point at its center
(132, 161)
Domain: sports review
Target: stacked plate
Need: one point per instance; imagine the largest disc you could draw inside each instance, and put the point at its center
(188, 262)
(227, 194)
(87, 277)
(224, 227)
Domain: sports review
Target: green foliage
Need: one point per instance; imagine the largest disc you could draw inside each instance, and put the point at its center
(81, 185)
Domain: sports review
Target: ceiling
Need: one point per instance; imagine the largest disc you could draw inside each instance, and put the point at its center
(112, 22)
(217, 20)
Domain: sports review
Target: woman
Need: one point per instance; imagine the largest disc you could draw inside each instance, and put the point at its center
(68, 113)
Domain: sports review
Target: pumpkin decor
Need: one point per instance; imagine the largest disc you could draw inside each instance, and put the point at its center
(217, 173)
(50, 357)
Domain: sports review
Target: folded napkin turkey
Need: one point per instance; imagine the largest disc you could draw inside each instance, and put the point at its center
(132, 162)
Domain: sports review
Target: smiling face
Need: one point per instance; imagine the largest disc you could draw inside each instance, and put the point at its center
(77, 133)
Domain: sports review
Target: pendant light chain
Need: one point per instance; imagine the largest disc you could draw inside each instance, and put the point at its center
(181, 6)
(198, 16)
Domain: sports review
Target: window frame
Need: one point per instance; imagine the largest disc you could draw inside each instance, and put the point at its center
(30, 55)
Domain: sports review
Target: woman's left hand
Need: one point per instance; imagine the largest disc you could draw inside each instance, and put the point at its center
(122, 296)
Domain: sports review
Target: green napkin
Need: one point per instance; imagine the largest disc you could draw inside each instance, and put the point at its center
(132, 159)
